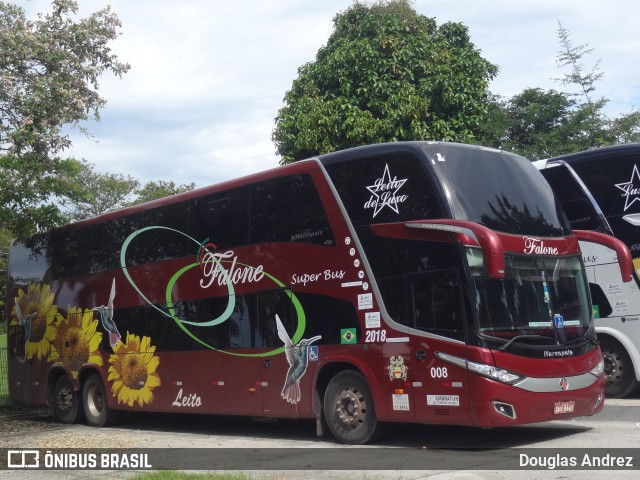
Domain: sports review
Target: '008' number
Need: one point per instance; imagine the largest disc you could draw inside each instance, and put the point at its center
(439, 372)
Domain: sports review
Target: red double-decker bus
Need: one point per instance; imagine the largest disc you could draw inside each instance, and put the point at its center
(417, 282)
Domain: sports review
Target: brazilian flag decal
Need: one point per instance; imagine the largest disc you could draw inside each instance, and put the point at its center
(596, 311)
(348, 336)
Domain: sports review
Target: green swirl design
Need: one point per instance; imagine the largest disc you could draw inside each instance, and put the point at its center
(224, 316)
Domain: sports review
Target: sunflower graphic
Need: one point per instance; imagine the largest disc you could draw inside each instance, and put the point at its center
(133, 370)
(37, 305)
(77, 342)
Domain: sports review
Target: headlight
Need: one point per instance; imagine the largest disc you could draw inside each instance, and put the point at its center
(598, 369)
(494, 373)
(488, 371)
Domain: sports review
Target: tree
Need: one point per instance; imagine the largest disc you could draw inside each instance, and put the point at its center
(540, 124)
(49, 72)
(385, 74)
(160, 189)
(101, 193)
(535, 123)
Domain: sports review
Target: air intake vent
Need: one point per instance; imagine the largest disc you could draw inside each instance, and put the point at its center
(443, 411)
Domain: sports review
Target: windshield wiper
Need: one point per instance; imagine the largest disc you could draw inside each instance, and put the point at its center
(586, 337)
(517, 338)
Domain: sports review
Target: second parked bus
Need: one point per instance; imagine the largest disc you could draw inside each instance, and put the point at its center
(599, 190)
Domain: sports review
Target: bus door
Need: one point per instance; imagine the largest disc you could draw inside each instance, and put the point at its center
(284, 360)
(441, 393)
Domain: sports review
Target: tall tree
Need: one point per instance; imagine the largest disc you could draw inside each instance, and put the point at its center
(385, 74)
(49, 72)
(100, 193)
(154, 190)
(540, 124)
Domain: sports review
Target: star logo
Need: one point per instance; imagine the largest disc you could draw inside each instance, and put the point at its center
(384, 193)
(631, 188)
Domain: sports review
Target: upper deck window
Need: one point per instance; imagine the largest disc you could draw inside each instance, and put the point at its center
(385, 188)
(499, 190)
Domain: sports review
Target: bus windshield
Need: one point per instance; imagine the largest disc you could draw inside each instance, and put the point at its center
(541, 297)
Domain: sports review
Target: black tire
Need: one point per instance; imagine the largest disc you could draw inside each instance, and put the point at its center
(66, 404)
(620, 378)
(349, 409)
(94, 401)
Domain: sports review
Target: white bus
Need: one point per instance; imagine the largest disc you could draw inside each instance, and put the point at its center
(600, 190)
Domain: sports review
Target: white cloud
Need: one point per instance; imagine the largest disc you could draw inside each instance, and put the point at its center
(208, 76)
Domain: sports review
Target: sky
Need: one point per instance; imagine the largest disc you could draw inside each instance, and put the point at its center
(208, 76)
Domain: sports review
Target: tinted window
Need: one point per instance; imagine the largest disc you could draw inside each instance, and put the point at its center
(418, 282)
(501, 191)
(385, 188)
(288, 209)
(222, 218)
(575, 202)
(614, 182)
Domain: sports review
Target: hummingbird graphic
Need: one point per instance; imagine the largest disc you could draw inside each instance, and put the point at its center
(297, 356)
(25, 331)
(106, 317)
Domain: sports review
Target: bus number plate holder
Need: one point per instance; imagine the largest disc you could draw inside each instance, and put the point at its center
(563, 407)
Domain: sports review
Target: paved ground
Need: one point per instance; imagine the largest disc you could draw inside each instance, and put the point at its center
(617, 427)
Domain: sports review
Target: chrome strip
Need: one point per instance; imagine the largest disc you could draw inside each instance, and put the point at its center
(545, 385)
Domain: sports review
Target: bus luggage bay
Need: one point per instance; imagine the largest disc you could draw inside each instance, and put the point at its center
(419, 282)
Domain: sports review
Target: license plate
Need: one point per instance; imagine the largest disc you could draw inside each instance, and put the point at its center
(563, 407)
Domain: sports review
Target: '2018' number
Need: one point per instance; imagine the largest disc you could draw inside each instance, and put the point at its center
(376, 336)
(439, 372)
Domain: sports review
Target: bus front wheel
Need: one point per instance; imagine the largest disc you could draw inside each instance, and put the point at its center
(94, 401)
(66, 402)
(620, 379)
(349, 409)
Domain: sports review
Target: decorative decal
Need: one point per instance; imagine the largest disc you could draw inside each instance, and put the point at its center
(216, 271)
(133, 370)
(348, 336)
(297, 357)
(190, 400)
(397, 368)
(106, 317)
(77, 340)
(536, 246)
(385, 193)
(35, 316)
(25, 331)
(630, 189)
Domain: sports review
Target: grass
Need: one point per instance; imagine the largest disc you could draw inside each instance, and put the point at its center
(171, 475)
(4, 381)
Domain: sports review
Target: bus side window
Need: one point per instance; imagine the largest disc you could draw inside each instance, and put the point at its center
(288, 209)
(599, 299)
(575, 203)
(435, 302)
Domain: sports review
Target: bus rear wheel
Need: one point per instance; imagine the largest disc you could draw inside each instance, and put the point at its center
(349, 409)
(94, 400)
(620, 379)
(66, 402)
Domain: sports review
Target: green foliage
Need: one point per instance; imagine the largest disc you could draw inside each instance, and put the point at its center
(160, 189)
(385, 74)
(49, 71)
(540, 124)
(99, 193)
